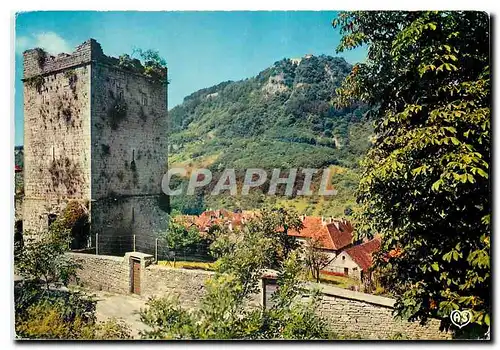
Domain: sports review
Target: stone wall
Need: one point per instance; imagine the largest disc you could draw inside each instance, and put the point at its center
(18, 206)
(129, 148)
(112, 273)
(38, 62)
(366, 316)
(129, 158)
(348, 313)
(118, 219)
(56, 138)
(101, 272)
(187, 285)
(78, 146)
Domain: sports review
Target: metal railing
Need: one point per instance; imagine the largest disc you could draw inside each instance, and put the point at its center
(158, 247)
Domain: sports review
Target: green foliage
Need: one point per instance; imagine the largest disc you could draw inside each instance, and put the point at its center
(315, 258)
(265, 236)
(225, 311)
(44, 311)
(399, 336)
(48, 320)
(71, 305)
(74, 214)
(426, 184)
(45, 321)
(178, 238)
(154, 65)
(275, 224)
(112, 329)
(150, 64)
(167, 320)
(42, 258)
(242, 255)
(74, 223)
(128, 63)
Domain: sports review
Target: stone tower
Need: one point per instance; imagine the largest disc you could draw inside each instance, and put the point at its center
(95, 132)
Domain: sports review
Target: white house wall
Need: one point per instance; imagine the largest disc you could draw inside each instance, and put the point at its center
(339, 264)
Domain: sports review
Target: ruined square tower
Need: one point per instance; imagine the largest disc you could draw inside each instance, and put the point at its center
(95, 132)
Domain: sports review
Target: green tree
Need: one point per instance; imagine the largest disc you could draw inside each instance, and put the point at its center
(314, 257)
(154, 65)
(179, 238)
(425, 185)
(289, 318)
(275, 224)
(42, 258)
(228, 310)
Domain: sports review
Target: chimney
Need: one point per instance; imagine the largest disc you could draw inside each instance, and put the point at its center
(323, 220)
(330, 219)
(336, 223)
(302, 218)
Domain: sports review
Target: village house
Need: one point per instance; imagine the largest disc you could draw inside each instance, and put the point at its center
(356, 261)
(334, 235)
(347, 257)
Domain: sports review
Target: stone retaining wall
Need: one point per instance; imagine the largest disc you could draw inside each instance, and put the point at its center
(102, 272)
(350, 314)
(187, 285)
(370, 317)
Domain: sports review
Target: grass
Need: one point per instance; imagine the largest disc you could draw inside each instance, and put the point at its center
(207, 266)
(337, 281)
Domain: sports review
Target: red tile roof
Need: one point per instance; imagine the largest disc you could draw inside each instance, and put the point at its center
(215, 217)
(334, 234)
(362, 254)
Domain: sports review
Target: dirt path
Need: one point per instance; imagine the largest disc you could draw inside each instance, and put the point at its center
(120, 306)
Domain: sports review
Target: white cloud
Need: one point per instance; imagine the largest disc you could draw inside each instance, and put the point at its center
(22, 43)
(52, 43)
(49, 41)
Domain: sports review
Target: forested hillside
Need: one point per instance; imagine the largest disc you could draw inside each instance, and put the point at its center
(282, 118)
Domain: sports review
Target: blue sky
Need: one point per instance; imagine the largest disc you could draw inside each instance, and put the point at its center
(201, 48)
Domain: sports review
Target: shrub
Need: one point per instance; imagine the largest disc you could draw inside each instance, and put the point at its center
(45, 320)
